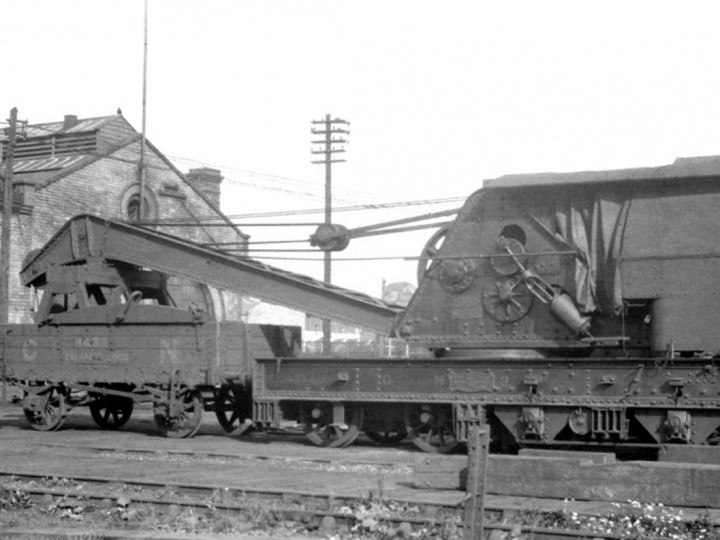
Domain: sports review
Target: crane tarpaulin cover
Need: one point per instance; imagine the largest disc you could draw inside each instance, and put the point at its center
(592, 227)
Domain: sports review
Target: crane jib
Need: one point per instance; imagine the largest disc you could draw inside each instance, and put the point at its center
(86, 237)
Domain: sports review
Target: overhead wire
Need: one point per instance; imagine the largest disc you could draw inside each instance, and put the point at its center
(204, 221)
(272, 182)
(358, 207)
(355, 207)
(339, 194)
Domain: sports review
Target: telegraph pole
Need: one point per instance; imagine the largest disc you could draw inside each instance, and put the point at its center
(6, 221)
(332, 131)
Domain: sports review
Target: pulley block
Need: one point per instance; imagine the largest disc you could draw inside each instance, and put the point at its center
(330, 237)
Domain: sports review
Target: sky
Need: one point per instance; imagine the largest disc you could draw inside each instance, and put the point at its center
(439, 96)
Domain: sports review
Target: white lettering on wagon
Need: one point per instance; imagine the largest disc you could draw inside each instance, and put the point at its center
(94, 349)
(170, 351)
(86, 357)
(29, 350)
(471, 381)
(96, 342)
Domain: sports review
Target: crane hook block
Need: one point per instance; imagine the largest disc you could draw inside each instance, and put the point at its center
(330, 237)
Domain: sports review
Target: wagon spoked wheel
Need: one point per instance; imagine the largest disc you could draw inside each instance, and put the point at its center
(183, 417)
(111, 412)
(430, 429)
(48, 410)
(322, 432)
(232, 408)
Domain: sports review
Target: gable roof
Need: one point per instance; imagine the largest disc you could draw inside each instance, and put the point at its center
(50, 151)
(79, 125)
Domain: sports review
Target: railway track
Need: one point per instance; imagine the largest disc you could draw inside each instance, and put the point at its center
(142, 453)
(301, 489)
(305, 512)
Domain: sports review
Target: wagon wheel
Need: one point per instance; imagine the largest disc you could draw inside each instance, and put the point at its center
(430, 251)
(48, 413)
(322, 432)
(232, 408)
(111, 412)
(430, 429)
(186, 418)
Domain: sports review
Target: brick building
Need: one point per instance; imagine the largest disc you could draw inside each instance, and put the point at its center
(92, 166)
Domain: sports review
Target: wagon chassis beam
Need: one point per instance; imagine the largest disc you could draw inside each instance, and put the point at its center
(144, 391)
(104, 391)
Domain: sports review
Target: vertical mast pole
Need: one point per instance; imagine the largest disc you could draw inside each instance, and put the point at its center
(7, 222)
(141, 210)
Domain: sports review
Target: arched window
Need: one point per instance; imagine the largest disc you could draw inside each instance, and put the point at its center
(132, 209)
(130, 204)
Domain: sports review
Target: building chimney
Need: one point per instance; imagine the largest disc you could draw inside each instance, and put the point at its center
(207, 181)
(71, 120)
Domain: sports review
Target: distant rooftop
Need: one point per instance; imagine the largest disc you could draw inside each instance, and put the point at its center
(71, 124)
(53, 146)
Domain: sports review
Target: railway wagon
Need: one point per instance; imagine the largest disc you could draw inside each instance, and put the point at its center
(564, 309)
(127, 315)
(168, 357)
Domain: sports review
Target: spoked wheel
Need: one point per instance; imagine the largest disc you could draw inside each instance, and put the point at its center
(232, 408)
(430, 251)
(320, 430)
(181, 415)
(46, 411)
(111, 412)
(430, 428)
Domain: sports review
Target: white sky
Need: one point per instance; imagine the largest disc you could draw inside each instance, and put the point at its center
(439, 94)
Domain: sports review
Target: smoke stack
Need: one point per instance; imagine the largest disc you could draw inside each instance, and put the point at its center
(71, 120)
(207, 181)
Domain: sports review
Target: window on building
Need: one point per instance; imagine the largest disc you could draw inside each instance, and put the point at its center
(133, 208)
(130, 204)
